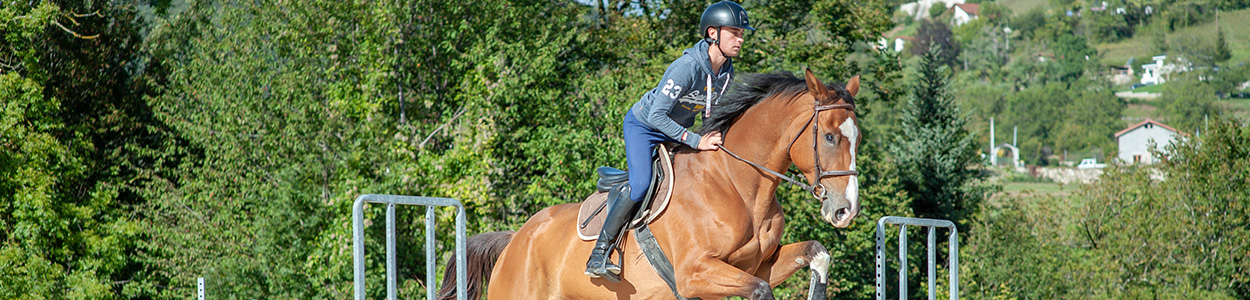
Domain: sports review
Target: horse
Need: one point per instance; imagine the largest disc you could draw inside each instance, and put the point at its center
(723, 226)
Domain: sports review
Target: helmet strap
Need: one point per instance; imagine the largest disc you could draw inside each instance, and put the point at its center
(716, 41)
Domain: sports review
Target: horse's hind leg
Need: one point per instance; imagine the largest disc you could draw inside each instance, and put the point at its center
(792, 257)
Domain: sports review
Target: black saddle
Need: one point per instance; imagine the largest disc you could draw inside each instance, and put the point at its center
(610, 177)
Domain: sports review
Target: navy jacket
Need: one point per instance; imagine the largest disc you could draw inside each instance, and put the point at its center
(687, 88)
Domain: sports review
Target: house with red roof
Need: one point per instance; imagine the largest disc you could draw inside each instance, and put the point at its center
(964, 13)
(1135, 141)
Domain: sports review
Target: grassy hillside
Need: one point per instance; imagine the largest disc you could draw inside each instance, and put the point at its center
(1033, 189)
(1233, 24)
(1238, 109)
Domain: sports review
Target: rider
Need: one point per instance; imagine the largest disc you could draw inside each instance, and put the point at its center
(692, 83)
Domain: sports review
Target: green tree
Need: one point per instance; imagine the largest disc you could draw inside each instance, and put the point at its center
(820, 35)
(1030, 112)
(983, 101)
(66, 226)
(1030, 66)
(1090, 118)
(939, 34)
(1186, 103)
(1028, 22)
(1074, 56)
(1018, 249)
(995, 13)
(986, 52)
(1221, 53)
(1168, 230)
(934, 150)
(936, 11)
(1105, 26)
(288, 111)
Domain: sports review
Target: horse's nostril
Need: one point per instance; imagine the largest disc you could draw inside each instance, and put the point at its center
(840, 214)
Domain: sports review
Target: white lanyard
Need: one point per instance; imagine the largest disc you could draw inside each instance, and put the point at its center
(707, 107)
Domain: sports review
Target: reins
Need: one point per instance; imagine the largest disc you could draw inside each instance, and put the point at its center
(816, 155)
(770, 171)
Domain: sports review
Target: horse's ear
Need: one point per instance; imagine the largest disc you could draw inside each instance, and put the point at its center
(852, 86)
(818, 89)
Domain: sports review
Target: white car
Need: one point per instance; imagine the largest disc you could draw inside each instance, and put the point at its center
(1090, 163)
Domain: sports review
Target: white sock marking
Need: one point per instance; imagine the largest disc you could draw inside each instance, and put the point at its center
(820, 264)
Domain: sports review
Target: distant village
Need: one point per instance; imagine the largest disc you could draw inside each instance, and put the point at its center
(1156, 72)
(1135, 142)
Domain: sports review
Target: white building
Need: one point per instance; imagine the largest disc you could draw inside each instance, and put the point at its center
(1135, 141)
(964, 13)
(1158, 71)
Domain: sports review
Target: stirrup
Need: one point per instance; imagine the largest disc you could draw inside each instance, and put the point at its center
(607, 270)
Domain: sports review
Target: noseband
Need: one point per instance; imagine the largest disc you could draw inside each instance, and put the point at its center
(815, 155)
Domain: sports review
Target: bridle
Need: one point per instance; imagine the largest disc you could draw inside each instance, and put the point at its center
(820, 174)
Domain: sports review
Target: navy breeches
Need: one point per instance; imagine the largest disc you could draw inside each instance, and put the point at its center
(640, 139)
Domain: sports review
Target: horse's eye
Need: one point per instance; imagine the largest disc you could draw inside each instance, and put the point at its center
(829, 137)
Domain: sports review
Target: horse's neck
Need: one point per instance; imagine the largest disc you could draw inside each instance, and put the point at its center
(765, 132)
(756, 137)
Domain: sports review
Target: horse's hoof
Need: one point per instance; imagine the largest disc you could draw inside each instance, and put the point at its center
(762, 292)
(817, 291)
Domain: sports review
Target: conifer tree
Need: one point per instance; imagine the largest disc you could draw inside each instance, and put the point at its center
(1222, 53)
(934, 150)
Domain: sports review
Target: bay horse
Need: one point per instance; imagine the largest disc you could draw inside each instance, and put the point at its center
(723, 227)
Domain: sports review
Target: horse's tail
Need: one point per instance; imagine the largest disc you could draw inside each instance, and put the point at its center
(481, 252)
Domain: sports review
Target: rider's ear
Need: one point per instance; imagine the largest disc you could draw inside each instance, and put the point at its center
(818, 90)
(852, 86)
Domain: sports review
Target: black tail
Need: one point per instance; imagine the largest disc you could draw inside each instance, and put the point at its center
(482, 251)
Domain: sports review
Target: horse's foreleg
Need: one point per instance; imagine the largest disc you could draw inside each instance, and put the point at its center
(711, 278)
(793, 257)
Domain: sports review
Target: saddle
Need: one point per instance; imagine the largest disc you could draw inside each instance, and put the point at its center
(613, 182)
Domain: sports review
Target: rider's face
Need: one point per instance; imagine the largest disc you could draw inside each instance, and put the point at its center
(730, 41)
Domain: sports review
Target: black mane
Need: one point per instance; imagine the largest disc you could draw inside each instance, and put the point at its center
(752, 88)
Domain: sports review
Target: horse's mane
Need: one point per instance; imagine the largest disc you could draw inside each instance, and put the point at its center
(752, 88)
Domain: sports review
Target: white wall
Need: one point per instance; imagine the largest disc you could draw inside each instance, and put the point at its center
(962, 17)
(1137, 141)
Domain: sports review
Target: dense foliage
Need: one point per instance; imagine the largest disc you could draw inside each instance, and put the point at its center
(69, 120)
(1174, 231)
(229, 142)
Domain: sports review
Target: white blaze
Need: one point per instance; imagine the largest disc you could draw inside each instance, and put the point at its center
(851, 132)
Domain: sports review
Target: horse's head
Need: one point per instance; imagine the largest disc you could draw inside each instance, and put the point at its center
(829, 164)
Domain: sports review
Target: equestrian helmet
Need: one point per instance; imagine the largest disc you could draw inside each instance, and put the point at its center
(724, 13)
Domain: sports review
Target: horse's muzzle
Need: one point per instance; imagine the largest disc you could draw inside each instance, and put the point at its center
(837, 210)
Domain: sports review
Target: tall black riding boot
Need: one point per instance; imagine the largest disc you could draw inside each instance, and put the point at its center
(621, 211)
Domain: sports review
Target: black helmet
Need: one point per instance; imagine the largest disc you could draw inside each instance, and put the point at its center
(724, 13)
